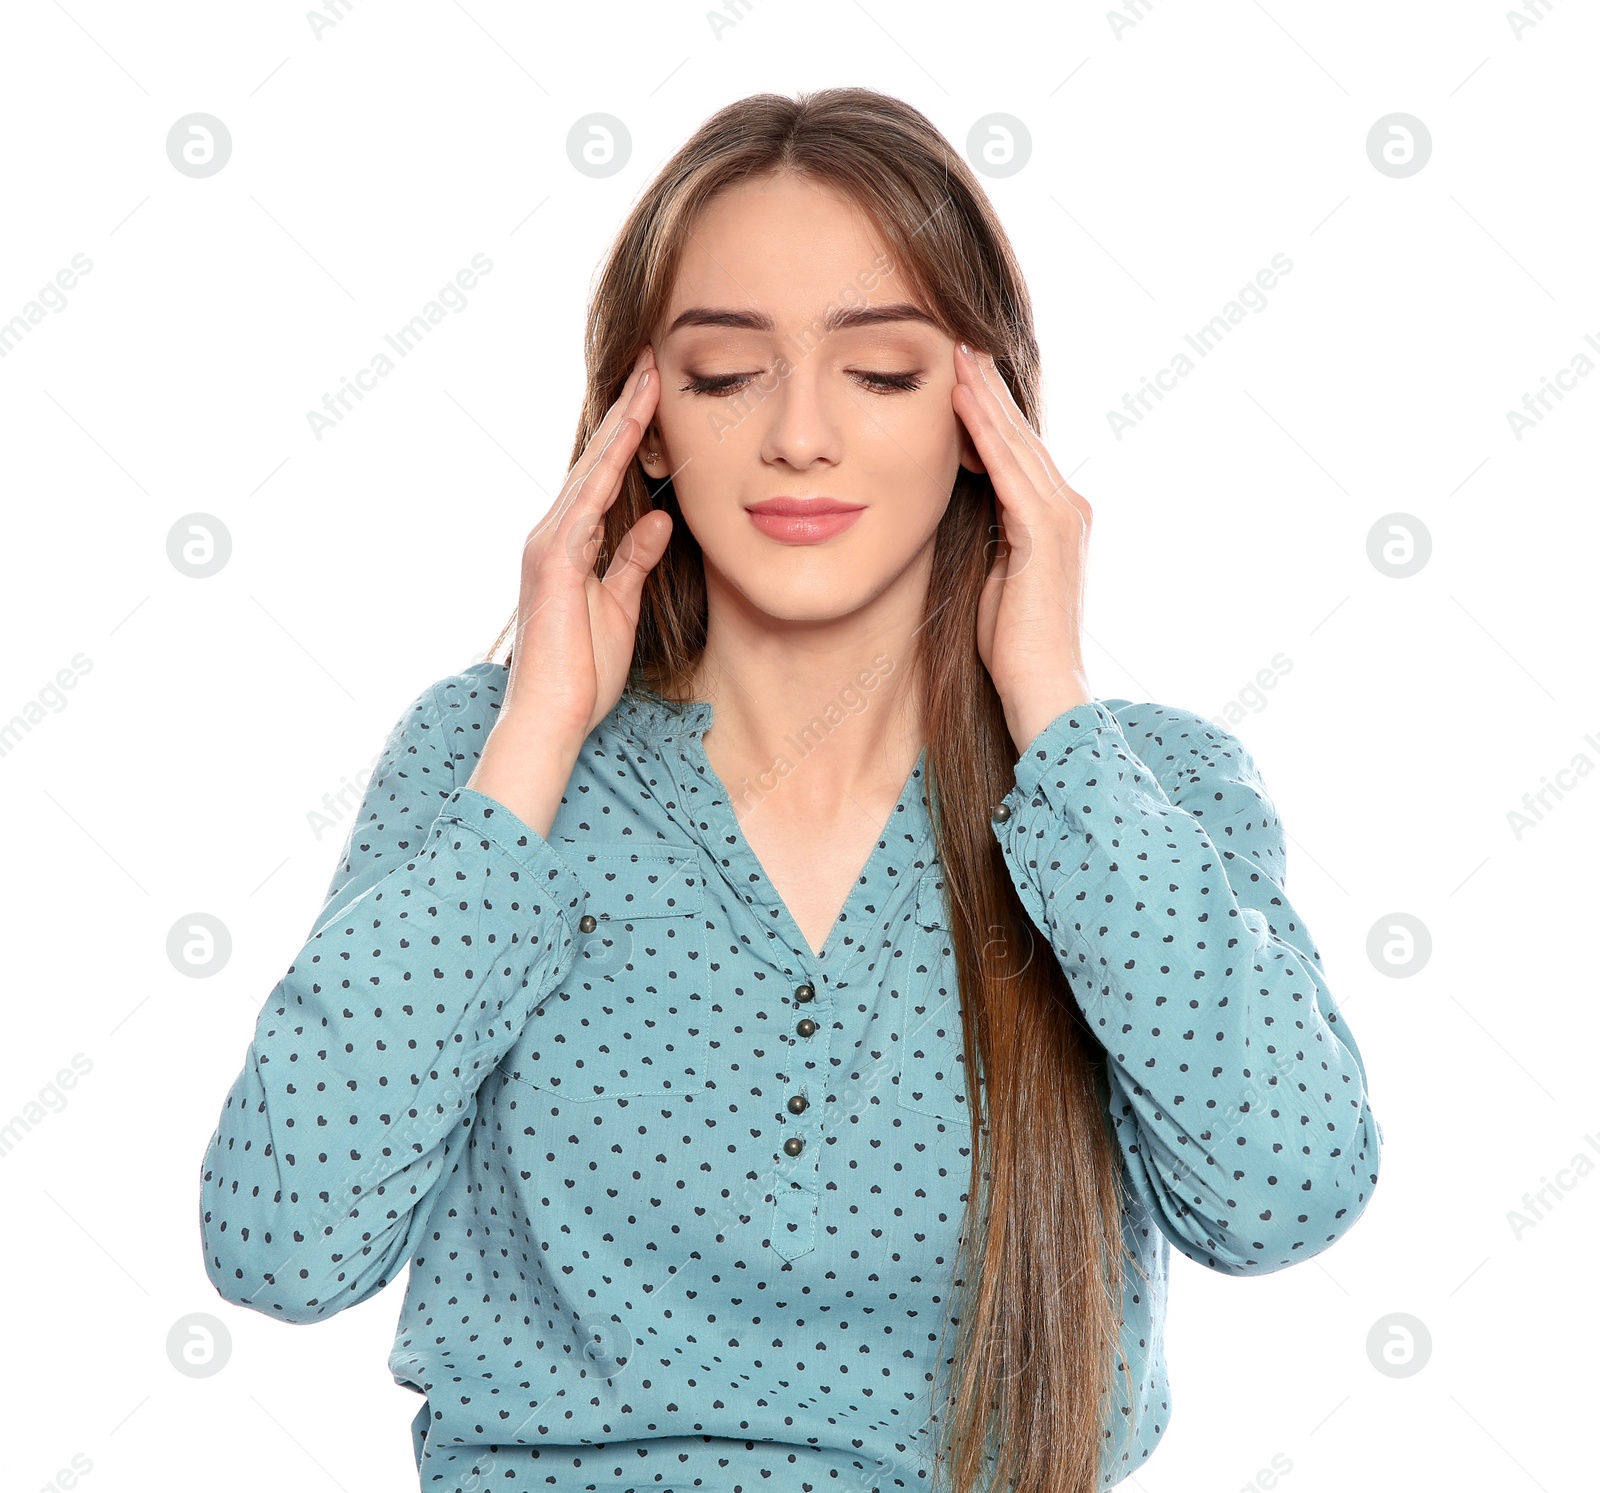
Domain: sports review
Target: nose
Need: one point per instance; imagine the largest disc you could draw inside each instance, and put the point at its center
(802, 421)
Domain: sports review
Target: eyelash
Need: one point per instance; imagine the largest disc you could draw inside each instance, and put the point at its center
(720, 385)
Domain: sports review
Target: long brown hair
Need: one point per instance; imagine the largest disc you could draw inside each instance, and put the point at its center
(1036, 1353)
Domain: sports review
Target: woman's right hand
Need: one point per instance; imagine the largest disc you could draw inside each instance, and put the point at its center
(575, 631)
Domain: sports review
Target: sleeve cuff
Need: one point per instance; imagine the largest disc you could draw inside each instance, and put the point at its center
(491, 820)
(1054, 746)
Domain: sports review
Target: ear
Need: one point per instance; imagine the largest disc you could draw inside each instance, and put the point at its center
(651, 457)
(970, 459)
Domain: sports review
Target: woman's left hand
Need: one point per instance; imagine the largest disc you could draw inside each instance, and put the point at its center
(1030, 612)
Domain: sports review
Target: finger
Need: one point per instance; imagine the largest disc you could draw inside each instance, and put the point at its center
(603, 481)
(611, 422)
(574, 526)
(1053, 486)
(978, 373)
(1036, 457)
(1000, 456)
(644, 367)
(595, 478)
(642, 376)
(1017, 423)
(637, 555)
(580, 532)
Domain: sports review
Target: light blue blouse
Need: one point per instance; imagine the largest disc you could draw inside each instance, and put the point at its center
(680, 1198)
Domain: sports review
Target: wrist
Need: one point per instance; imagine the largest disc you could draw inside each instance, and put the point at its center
(527, 772)
(522, 736)
(1028, 711)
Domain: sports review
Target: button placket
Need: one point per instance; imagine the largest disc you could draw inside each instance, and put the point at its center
(797, 1182)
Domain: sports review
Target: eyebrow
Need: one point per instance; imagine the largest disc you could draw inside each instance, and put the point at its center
(841, 319)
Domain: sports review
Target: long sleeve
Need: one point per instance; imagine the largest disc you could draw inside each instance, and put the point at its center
(446, 924)
(1239, 1097)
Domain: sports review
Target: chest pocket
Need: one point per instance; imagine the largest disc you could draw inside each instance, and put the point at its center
(628, 1022)
(932, 1064)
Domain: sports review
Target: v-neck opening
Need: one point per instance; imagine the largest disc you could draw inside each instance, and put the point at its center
(698, 721)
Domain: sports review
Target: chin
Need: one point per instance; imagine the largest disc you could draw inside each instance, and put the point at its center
(798, 584)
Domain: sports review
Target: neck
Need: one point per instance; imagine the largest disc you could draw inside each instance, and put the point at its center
(831, 714)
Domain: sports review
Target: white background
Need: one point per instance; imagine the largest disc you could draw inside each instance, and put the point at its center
(1168, 165)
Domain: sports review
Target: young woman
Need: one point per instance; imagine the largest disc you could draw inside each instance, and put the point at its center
(784, 958)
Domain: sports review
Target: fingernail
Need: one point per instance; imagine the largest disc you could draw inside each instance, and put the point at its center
(643, 380)
(965, 349)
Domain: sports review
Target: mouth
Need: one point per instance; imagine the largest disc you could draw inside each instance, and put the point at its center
(803, 520)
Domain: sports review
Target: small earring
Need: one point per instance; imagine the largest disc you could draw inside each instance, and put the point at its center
(653, 456)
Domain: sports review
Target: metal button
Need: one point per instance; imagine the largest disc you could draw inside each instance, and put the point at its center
(1001, 813)
(798, 1104)
(806, 1026)
(587, 924)
(794, 1145)
(804, 993)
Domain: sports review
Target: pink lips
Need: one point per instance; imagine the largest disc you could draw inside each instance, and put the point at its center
(803, 520)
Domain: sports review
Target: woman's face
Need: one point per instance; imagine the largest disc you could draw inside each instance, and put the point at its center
(795, 362)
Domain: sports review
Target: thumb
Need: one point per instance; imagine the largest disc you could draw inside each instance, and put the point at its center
(638, 553)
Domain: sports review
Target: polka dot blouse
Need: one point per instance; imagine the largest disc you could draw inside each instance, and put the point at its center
(680, 1199)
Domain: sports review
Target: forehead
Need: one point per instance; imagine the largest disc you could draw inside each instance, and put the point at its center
(788, 246)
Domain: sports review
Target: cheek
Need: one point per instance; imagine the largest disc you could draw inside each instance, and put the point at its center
(711, 432)
(713, 448)
(680, 425)
(910, 456)
(920, 434)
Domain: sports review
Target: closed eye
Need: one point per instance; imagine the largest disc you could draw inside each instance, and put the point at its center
(720, 385)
